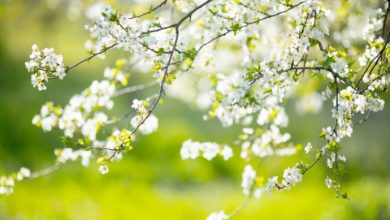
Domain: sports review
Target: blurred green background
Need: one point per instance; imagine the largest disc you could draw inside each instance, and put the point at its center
(152, 182)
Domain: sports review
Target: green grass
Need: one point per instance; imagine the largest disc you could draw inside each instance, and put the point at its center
(77, 193)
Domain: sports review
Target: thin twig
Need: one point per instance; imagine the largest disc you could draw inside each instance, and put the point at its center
(90, 57)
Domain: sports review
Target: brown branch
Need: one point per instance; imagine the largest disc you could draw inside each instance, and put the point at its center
(166, 69)
(90, 57)
(150, 11)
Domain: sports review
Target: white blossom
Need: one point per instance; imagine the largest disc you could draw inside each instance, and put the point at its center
(292, 176)
(209, 150)
(271, 184)
(331, 160)
(103, 169)
(44, 64)
(328, 182)
(248, 178)
(190, 149)
(148, 126)
(227, 152)
(259, 192)
(325, 95)
(308, 148)
(68, 154)
(217, 216)
(340, 67)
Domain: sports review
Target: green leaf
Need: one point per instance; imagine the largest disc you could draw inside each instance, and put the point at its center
(160, 51)
(235, 27)
(190, 53)
(103, 160)
(156, 65)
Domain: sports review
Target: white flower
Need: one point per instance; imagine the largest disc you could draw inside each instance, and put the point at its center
(247, 130)
(245, 149)
(25, 172)
(5, 191)
(325, 95)
(315, 34)
(217, 216)
(210, 150)
(360, 102)
(340, 67)
(137, 104)
(248, 178)
(70, 121)
(39, 79)
(281, 118)
(285, 151)
(259, 192)
(346, 93)
(331, 160)
(102, 88)
(362, 61)
(271, 184)
(375, 104)
(263, 117)
(328, 182)
(292, 176)
(44, 64)
(308, 148)
(35, 54)
(276, 116)
(342, 158)
(10, 182)
(190, 149)
(49, 122)
(148, 126)
(31, 65)
(48, 119)
(323, 23)
(109, 73)
(60, 72)
(66, 154)
(227, 152)
(91, 126)
(103, 169)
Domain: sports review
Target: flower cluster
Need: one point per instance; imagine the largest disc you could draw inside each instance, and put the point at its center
(145, 121)
(103, 169)
(115, 144)
(218, 216)
(83, 118)
(265, 143)
(251, 182)
(291, 177)
(81, 113)
(45, 64)
(49, 117)
(119, 139)
(7, 183)
(248, 178)
(209, 150)
(68, 154)
(130, 33)
(375, 23)
(117, 75)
